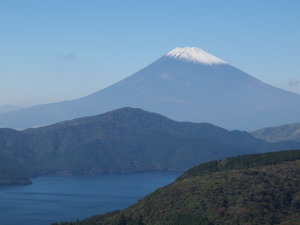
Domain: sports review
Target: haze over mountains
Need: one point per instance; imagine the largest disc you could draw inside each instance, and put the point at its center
(280, 133)
(187, 84)
(126, 140)
(8, 108)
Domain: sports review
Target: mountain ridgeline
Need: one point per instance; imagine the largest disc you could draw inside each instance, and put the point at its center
(187, 84)
(9, 108)
(286, 132)
(250, 189)
(126, 140)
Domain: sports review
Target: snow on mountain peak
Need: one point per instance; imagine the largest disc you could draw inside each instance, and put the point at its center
(195, 55)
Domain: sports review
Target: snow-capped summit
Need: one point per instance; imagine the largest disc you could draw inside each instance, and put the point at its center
(195, 55)
(187, 84)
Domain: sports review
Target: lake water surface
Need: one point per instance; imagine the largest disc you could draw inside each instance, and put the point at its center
(68, 198)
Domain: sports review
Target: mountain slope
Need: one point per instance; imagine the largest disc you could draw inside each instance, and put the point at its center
(15, 158)
(8, 108)
(187, 84)
(126, 140)
(252, 189)
(280, 133)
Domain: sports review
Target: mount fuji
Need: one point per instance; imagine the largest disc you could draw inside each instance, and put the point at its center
(186, 84)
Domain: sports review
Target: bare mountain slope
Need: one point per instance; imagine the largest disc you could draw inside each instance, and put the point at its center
(284, 132)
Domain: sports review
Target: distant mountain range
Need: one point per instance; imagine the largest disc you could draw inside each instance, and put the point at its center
(187, 84)
(9, 108)
(126, 140)
(281, 133)
(251, 189)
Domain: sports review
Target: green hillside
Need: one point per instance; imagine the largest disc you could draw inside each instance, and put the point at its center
(15, 158)
(251, 189)
(280, 133)
(126, 140)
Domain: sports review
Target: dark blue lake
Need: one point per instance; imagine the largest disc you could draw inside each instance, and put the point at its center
(68, 198)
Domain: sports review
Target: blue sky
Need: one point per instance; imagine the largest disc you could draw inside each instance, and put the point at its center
(54, 50)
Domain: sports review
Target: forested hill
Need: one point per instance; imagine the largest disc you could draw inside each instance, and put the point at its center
(243, 162)
(251, 189)
(126, 140)
(15, 158)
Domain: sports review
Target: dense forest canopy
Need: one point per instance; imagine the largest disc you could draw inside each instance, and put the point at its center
(250, 189)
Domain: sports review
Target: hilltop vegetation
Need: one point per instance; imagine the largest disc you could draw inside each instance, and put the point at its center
(252, 189)
(243, 162)
(122, 141)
